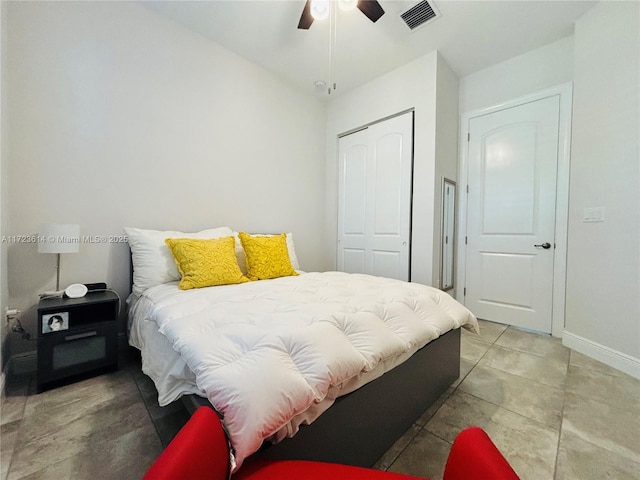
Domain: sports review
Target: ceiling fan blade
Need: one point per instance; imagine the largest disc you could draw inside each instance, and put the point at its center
(371, 8)
(306, 19)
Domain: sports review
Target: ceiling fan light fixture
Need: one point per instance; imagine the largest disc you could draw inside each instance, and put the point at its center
(347, 5)
(320, 9)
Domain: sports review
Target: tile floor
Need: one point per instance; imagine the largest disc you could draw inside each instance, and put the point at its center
(554, 413)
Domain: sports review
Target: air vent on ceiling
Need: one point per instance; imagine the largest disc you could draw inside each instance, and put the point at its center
(419, 14)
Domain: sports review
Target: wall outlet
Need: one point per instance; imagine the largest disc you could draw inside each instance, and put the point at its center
(11, 313)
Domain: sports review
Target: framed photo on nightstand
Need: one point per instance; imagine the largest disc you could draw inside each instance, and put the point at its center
(55, 322)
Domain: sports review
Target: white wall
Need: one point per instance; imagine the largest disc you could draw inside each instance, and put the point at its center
(122, 118)
(4, 330)
(536, 70)
(603, 271)
(410, 86)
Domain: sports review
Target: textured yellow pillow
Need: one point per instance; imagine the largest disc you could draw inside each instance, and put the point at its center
(267, 257)
(205, 263)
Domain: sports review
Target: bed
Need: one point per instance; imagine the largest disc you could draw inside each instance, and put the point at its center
(325, 365)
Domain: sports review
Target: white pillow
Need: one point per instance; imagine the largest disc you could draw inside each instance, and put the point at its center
(153, 263)
(242, 261)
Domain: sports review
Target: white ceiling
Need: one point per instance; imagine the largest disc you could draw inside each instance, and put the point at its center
(470, 35)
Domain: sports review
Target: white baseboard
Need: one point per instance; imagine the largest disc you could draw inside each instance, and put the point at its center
(618, 360)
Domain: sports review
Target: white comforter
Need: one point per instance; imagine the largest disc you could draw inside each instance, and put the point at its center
(266, 351)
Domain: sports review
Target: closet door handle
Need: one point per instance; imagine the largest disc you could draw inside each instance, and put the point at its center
(545, 245)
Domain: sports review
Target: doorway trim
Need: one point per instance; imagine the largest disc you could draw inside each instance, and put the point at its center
(562, 195)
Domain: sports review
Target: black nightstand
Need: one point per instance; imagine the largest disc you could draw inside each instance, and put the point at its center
(76, 336)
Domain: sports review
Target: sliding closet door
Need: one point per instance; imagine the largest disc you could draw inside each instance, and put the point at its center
(374, 215)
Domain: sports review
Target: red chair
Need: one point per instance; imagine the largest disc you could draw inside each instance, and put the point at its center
(199, 451)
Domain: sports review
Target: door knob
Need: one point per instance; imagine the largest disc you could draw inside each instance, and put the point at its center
(545, 245)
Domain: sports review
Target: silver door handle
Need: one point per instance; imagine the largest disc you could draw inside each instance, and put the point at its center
(545, 245)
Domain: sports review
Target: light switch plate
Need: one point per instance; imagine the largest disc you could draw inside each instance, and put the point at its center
(593, 214)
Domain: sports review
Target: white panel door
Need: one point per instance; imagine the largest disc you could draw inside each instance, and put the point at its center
(513, 155)
(374, 205)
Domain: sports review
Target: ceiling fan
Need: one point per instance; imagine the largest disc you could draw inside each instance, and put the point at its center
(314, 8)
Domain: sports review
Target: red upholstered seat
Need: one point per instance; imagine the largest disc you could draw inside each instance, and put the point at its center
(302, 469)
(199, 451)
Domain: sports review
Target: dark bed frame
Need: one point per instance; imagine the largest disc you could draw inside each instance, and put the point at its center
(361, 426)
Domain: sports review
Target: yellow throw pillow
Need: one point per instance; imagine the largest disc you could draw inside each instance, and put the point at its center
(267, 257)
(206, 263)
